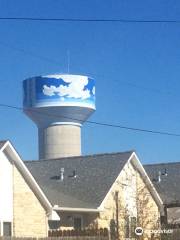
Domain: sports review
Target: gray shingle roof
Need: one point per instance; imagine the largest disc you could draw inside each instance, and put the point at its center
(168, 188)
(95, 176)
(2, 143)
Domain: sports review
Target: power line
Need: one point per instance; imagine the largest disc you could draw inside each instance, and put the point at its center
(52, 61)
(87, 20)
(137, 86)
(25, 52)
(98, 123)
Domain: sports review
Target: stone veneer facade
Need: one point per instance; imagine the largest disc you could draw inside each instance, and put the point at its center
(134, 201)
(29, 216)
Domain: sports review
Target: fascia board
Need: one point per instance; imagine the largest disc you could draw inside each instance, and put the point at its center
(9, 149)
(136, 162)
(4, 146)
(68, 209)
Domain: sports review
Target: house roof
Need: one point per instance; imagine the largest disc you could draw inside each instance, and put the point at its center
(95, 176)
(2, 143)
(168, 188)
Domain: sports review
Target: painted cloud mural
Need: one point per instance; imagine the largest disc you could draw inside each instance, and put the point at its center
(59, 90)
(75, 88)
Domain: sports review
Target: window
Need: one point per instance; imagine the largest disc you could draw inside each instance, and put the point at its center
(133, 226)
(53, 224)
(126, 227)
(130, 226)
(6, 228)
(77, 223)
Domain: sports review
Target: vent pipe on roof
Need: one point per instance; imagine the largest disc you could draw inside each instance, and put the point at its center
(165, 173)
(159, 176)
(62, 174)
(74, 175)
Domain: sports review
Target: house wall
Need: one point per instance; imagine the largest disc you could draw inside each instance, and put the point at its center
(125, 204)
(6, 191)
(29, 216)
(148, 213)
(134, 200)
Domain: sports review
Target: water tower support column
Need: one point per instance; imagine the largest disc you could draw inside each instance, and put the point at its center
(62, 140)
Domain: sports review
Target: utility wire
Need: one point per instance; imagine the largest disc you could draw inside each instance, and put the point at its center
(96, 123)
(86, 20)
(134, 85)
(55, 62)
(25, 52)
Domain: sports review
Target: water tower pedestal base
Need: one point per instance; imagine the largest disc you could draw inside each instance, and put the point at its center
(59, 141)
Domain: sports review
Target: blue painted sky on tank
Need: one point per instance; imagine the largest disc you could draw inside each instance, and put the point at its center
(49, 81)
(136, 67)
(52, 82)
(90, 85)
(57, 82)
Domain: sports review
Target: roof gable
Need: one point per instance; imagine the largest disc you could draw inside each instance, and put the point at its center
(95, 176)
(133, 159)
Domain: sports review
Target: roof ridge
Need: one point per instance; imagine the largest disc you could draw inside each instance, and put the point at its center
(163, 163)
(81, 156)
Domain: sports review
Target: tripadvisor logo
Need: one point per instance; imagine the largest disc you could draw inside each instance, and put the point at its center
(139, 231)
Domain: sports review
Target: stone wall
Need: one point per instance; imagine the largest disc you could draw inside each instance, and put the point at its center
(129, 199)
(29, 216)
(148, 213)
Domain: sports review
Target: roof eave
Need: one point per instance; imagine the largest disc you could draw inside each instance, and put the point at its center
(147, 180)
(69, 209)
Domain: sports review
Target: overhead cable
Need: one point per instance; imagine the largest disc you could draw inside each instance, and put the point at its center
(88, 20)
(98, 123)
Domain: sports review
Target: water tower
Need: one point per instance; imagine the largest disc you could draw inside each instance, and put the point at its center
(59, 104)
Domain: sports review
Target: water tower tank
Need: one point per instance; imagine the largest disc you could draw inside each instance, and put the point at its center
(59, 104)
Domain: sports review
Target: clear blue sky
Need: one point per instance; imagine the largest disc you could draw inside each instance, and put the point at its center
(136, 67)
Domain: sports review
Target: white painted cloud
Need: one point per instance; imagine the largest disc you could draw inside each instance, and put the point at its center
(49, 91)
(75, 88)
(93, 90)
